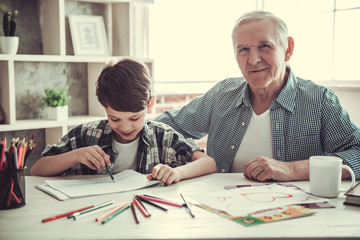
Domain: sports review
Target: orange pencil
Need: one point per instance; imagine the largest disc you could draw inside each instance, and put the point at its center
(20, 152)
(9, 193)
(141, 208)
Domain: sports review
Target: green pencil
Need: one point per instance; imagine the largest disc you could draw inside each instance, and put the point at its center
(115, 214)
(106, 166)
(91, 209)
(110, 174)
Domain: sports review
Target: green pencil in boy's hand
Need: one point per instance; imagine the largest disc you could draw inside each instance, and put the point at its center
(110, 174)
(107, 167)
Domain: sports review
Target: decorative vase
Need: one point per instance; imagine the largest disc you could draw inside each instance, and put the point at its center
(57, 113)
(9, 44)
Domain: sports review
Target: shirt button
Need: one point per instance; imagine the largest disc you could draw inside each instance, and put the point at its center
(223, 170)
(243, 124)
(232, 147)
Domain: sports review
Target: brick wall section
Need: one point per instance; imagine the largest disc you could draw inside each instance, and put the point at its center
(166, 102)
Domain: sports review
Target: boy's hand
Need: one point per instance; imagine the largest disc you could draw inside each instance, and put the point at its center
(93, 157)
(165, 174)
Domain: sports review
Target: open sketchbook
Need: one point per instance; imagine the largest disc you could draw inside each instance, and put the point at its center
(124, 181)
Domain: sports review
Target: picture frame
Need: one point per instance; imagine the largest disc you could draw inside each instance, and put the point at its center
(88, 35)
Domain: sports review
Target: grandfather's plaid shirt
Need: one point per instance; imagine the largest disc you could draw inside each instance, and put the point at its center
(306, 120)
(158, 144)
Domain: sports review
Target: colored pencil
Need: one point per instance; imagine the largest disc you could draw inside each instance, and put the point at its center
(187, 205)
(91, 209)
(141, 207)
(109, 172)
(151, 203)
(2, 155)
(115, 214)
(17, 200)
(115, 209)
(134, 213)
(106, 166)
(65, 214)
(159, 200)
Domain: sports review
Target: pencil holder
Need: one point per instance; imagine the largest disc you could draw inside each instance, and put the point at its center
(12, 188)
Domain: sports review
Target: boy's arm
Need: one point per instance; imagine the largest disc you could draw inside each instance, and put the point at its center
(92, 156)
(200, 164)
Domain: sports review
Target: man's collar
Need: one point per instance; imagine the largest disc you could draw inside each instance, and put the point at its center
(286, 97)
(244, 96)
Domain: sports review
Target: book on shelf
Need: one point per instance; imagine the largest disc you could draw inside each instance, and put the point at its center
(353, 196)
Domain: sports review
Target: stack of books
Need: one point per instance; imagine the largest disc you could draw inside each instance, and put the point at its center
(353, 196)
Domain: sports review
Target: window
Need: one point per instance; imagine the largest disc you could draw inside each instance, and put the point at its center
(191, 40)
(325, 34)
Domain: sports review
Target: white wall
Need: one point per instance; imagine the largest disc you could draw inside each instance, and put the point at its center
(350, 99)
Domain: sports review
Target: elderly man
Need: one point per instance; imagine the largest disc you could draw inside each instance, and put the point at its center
(269, 122)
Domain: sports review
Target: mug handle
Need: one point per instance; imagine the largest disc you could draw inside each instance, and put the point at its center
(352, 177)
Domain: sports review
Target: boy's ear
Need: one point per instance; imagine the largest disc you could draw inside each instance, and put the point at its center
(151, 103)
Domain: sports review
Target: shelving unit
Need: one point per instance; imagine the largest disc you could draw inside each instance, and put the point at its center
(125, 38)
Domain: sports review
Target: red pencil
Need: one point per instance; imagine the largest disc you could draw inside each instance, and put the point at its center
(65, 214)
(159, 200)
(15, 198)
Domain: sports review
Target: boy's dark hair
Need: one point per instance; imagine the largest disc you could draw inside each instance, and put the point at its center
(124, 86)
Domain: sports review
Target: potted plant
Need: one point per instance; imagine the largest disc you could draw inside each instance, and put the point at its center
(9, 43)
(56, 102)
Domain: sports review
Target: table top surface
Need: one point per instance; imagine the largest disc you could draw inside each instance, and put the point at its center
(340, 222)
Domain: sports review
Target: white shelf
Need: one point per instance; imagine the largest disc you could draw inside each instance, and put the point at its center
(58, 58)
(116, 1)
(44, 123)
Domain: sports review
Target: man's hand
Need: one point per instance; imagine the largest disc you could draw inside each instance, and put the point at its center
(165, 174)
(93, 157)
(264, 169)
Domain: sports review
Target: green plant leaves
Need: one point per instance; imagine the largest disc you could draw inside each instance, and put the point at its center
(55, 98)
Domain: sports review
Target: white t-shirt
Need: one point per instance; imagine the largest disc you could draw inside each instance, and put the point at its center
(256, 141)
(126, 155)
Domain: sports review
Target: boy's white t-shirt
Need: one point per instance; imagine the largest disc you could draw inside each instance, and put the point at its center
(126, 155)
(257, 141)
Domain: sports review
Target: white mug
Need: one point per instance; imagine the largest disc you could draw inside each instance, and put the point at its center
(325, 176)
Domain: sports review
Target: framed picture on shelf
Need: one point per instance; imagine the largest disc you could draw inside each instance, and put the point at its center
(88, 35)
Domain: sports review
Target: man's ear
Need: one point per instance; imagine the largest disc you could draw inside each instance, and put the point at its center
(290, 49)
(151, 104)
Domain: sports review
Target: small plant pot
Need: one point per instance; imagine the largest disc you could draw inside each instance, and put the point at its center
(9, 45)
(57, 113)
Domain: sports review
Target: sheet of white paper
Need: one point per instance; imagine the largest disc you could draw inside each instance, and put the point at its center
(124, 181)
(242, 201)
(52, 192)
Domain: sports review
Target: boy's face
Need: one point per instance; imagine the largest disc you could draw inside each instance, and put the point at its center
(126, 125)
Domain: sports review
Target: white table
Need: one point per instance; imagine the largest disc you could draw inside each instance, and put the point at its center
(342, 222)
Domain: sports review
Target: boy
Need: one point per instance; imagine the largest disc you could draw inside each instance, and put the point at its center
(125, 140)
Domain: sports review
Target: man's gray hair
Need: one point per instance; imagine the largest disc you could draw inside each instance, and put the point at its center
(280, 26)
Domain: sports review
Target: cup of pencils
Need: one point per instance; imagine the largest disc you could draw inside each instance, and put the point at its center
(12, 176)
(12, 182)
